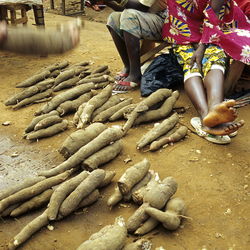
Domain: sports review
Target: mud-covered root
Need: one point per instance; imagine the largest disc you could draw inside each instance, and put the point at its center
(154, 98)
(100, 69)
(105, 72)
(78, 113)
(115, 197)
(33, 190)
(138, 195)
(95, 80)
(69, 83)
(24, 184)
(132, 176)
(72, 105)
(108, 136)
(158, 195)
(158, 131)
(39, 97)
(103, 156)
(80, 138)
(112, 101)
(104, 115)
(65, 75)
(147, 226)
(141, 244)
(28, 92)
(70, 94)
(34, 203)
(47, 122)
(8, 210)
(94, 103)
(160, 113)
(90, 199)
(31, 228)
(179, 134)
(61, 192)
(120, 114)
(137, 218)
(142, 183)
(47, 132)
(57, 66)
(110, 237)
(109, 175)
(34, 79)
(86, 187)
(35, 120)
(170, 219)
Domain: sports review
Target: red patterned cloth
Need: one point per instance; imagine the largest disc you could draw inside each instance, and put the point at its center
(194, 21)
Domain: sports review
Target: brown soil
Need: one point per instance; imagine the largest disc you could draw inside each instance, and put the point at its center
(213, 179)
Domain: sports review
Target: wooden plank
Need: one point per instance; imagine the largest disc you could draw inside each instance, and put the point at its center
(154, 51)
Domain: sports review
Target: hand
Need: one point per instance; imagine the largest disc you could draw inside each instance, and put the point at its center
(198, 56)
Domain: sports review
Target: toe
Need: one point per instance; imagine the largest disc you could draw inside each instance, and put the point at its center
(230, 103)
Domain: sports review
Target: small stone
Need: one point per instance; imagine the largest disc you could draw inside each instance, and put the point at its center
(245, 187)
(198, 151)
(219, 235)
(127, 160)
(194, 159)
(6, 123)
(50, 227)
(229, 155)
(15, 154)
(124, 205)
(229, 211)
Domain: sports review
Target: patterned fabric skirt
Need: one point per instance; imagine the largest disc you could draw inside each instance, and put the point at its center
(142, 25)
(214, 58)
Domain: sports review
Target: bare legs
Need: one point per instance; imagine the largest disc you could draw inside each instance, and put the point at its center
(207, 98)
(129, 51)
(121, 48)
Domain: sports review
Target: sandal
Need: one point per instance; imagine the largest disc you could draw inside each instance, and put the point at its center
(124, 86)
(120, 76)
(218, 139)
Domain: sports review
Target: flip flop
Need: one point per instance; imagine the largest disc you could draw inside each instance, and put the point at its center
(131, 85)
(121, 76)
(218, 139)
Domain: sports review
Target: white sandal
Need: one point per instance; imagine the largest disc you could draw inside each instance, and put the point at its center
(218, 139)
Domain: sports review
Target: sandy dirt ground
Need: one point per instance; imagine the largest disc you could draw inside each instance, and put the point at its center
(213, 179)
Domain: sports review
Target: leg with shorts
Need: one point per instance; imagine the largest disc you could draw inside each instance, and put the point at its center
(127, 28)
(205, 89)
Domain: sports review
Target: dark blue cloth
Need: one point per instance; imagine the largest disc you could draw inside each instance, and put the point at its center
(163, 72)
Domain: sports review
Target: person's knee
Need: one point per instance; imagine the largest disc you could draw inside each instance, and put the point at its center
(130, 14)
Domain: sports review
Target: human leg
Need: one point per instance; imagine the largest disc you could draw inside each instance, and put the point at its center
(137, 25)
(113, 26)
(221, 114)
(207, 95)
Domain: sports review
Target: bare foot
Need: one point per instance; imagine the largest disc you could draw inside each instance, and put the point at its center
(125, 85)
(224, 129)
(221, 113)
